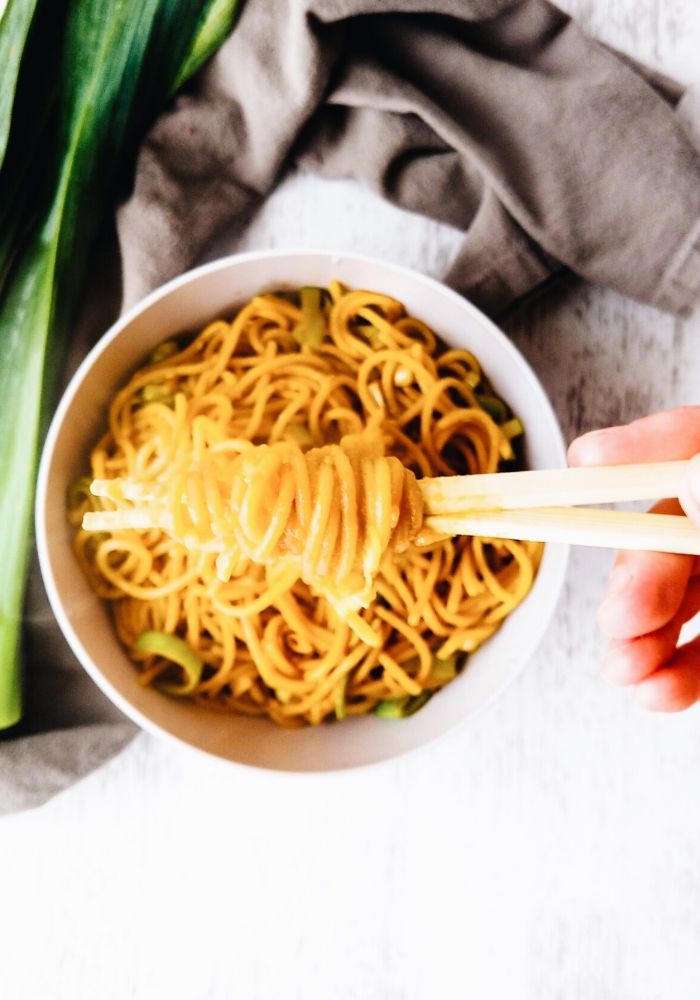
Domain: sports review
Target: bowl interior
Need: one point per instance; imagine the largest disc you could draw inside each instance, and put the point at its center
(186, 304)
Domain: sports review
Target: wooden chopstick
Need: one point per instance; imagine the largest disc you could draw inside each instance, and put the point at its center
(616, 529)
(543, 506)
(554, 487)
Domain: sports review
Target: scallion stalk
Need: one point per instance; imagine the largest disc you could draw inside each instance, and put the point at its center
(311, 328)
(174, 650)
(401, 708)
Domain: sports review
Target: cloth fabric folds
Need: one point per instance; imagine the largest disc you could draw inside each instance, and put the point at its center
(500, 117)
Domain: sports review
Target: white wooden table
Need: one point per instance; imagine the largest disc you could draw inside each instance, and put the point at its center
(550, 848)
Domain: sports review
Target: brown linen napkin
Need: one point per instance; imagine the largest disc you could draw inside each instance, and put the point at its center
(499, 117)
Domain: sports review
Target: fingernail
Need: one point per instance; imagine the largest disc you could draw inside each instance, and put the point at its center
(585, 448)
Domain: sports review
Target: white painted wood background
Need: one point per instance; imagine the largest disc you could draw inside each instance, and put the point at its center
(550, 848)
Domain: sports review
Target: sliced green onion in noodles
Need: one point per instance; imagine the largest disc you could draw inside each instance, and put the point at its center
(513, 428)
(339, 699)
(443, 671)
(494, 406)
(401, 708)
(176, 650)
(311, 328)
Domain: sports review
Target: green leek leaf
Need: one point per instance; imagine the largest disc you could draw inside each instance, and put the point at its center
(91, 77)
(14, 28)
(214, 25)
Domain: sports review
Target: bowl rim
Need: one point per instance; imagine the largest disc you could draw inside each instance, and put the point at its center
(558, 556)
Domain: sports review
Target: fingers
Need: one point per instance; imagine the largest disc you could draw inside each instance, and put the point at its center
(644, 593)
(628, 661)
(651, 594)
(645, 589)
(677, 685)
(661, 437)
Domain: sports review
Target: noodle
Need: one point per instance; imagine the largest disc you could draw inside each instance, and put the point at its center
(326, 516)
(256, 495)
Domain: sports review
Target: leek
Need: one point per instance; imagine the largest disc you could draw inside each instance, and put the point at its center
(339, 698)
(443, 671)
(513, 428)
(401, 708)
(162, 352)
(14, 28)
(494, 406)
(310, 331)
(80, 81)
(175, 650)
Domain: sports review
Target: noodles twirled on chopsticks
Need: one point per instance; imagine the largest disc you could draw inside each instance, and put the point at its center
(327, 516)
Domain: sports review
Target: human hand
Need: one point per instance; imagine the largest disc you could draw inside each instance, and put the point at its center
(650, 595)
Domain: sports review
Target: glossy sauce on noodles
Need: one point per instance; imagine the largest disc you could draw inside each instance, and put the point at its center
(256, 496)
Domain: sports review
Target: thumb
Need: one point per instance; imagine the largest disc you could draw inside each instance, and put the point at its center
(691, 496)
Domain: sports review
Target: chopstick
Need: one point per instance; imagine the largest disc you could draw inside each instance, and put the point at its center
(542, 506)
(554, 487)
(617, 529)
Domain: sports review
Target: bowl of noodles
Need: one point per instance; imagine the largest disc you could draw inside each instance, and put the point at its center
(231, 516)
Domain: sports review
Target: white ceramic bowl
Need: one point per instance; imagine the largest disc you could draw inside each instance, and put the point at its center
(187, 304)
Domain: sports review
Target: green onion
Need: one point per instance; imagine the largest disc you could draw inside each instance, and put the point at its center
(444, 671)
(339, 697)
(156, 394)
(79, 492)
(170, 647)
(301, 434)
(163, 351)
(311, 328)
(391, 708)
(513, 428)
(401, 708)
(79, 496)
(79, 84)
(494, 406)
